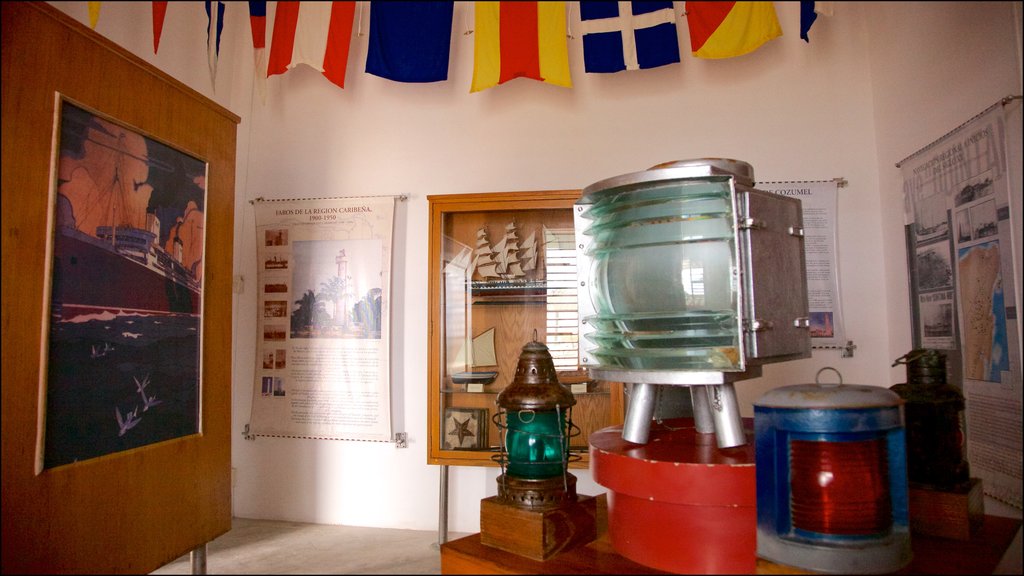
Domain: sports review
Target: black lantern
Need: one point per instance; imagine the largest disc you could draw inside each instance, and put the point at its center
(537, 512)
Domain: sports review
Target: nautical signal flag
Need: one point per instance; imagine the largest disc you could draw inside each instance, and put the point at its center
(520, 40)
(628, 35)
(258, 24)
(159, 11)
(94, 14)
(809, 13)
(728, 29)
(410, 41)
(316, 34)
(214, 29)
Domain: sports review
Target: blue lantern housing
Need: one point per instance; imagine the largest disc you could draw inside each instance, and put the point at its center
(832, 478)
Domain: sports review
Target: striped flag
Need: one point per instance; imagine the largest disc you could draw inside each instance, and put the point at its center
(316, 34)
(214, 28)
(520, 40)
(258, 24)
(628, 35)
(159, 11)
(728, 29)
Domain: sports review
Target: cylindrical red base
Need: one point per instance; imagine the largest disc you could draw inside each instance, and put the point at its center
(679, 503)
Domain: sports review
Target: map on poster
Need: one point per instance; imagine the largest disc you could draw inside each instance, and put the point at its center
(323, 367)
(963, 284)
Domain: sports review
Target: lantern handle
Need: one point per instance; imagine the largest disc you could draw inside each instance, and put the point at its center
(830, 385)
(534, 334)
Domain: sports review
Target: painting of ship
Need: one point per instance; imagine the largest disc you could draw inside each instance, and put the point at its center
(507, 265)
(475, 355)
(125, 291)
(109, 254)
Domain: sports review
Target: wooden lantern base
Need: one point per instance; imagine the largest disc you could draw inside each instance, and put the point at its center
(537, 534)
(951, 513)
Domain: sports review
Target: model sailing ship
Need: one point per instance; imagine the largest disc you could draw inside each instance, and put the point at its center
(507, 265)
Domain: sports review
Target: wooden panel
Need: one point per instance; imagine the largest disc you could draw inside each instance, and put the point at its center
(132, 511)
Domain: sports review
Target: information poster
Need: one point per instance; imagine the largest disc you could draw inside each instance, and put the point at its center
(959, 228)
(324, 280)
(819, 199)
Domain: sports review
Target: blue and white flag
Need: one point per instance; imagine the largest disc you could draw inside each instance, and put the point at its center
(628, 35)
(410, 41)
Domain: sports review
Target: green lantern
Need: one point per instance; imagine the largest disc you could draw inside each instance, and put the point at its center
(535, 419)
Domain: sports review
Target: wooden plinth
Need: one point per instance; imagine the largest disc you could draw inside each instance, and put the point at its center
(979, 555)
(537, 534)
(953, 513)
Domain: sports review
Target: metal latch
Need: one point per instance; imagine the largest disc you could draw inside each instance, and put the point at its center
(759, 325)
(802, 322)
(751, 224)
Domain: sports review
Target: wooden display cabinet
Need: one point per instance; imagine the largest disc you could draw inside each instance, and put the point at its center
(502, 266)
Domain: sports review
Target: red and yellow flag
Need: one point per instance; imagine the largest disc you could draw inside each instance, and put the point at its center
(728, 29)
(520, 40)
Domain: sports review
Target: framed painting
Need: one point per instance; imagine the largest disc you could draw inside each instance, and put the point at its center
(127, 239)
(465, 429)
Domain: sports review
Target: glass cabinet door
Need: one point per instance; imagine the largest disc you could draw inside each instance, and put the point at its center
(502, 272)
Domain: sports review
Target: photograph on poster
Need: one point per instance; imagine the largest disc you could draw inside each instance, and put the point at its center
(339, 283)
(276, 262)
(125, 290)
(983, 220)
(274, 332)
(276, 237)
(934, 270)
(275, 287)
(822, 325)
(937, 316)
(963, 226)
(973, 189)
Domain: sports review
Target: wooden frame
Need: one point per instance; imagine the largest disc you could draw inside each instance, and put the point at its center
(136, 510)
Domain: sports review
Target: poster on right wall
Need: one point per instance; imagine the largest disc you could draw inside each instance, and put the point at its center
(959, 235)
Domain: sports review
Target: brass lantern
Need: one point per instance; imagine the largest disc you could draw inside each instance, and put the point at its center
(537, 512)
(535, 420)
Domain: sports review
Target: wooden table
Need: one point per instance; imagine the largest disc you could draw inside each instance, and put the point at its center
(980, 555)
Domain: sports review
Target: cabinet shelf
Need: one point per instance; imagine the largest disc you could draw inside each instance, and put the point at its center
(479, 322)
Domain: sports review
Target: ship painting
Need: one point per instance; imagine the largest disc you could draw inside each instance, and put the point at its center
(125, 290)
(110, 227)
(505, 265)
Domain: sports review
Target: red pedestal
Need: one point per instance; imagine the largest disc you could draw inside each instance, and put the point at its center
(679, 503)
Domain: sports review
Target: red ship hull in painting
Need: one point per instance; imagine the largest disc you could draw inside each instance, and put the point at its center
(110, 274)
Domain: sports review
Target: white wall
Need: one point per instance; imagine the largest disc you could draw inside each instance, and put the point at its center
(861, 95)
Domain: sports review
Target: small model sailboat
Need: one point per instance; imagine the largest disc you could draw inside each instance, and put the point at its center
(478, 353)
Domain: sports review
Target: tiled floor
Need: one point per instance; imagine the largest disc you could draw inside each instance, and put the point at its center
(275, 547)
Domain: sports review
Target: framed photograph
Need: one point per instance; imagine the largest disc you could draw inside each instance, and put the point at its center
(466, 428)
(125, 290)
